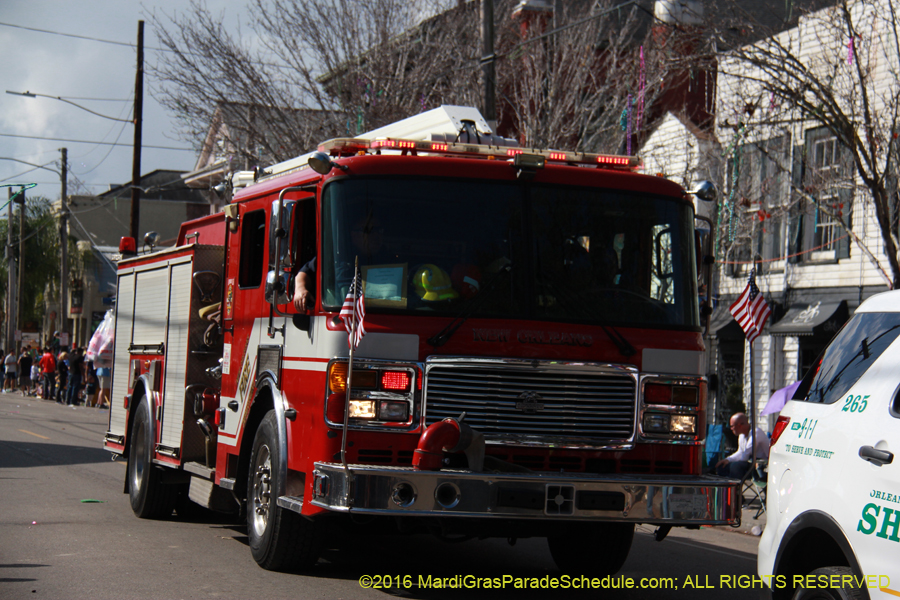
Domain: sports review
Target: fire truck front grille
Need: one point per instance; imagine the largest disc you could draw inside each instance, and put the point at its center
(535, 402)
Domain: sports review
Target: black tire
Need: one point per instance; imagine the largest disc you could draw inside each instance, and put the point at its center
(847, 590)
(600, 549)
(150, 498)
(280, 539)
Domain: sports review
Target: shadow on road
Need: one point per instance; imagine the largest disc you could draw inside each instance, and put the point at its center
(18, 566)
(19, 455)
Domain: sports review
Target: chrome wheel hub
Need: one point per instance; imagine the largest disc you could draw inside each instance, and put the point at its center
(261, 494)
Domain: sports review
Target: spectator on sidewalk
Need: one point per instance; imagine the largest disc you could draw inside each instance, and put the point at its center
(738, 464)
(76, 376)
(91, 391)
(62, 376)
(90, 383)
(35, 377)
(103, 377)
(48, 372)
(12, 365)
(25, 362)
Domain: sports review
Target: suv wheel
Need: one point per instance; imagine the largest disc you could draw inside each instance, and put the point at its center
(847, 591)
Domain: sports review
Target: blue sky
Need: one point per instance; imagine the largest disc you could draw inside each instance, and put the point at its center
(75, 61)
(81, 70)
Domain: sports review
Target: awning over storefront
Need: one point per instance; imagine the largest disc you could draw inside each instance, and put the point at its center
(812, 319)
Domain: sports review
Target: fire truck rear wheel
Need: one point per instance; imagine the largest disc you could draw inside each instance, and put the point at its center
(280, 539)
(150, 498)
(598, 549)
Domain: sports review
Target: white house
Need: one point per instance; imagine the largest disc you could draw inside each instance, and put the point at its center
(791, 205)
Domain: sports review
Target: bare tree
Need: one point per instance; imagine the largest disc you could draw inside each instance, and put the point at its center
(586, 75)
(577, 77)
(312, 69)
(836, 78)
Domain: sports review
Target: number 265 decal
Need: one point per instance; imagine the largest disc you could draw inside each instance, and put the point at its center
(855, 404)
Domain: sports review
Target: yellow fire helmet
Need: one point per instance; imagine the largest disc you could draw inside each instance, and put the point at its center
(432, 284)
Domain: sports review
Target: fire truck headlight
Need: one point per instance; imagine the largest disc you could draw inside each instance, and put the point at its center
(684, 424)
(396, 412)
(362, 409)
(656, 423)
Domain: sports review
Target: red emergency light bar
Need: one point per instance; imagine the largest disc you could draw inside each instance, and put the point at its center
(350, 146)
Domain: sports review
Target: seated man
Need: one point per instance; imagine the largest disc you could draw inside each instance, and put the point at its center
(738, 464)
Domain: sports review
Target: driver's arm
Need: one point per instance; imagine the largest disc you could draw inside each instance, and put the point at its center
(303, 299)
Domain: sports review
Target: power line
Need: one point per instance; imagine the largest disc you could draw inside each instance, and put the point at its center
(108, 152)
(73, 35)
(51, 139)
(91, 242)
(128, 44)
(96, 99)
(17, 175)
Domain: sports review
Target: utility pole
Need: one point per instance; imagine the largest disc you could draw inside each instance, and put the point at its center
(63, 244)
(19, 319)
(11, 276)
(487, 61)
(138, 118)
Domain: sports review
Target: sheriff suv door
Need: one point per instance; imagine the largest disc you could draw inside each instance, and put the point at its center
(870, 410)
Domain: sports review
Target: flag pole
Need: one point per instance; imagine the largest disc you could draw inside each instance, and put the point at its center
(353, 326)
(752, 412)
(751, 312)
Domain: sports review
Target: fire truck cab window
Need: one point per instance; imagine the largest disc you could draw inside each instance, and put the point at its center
(253, 240)
(303, 238)
(574, 254)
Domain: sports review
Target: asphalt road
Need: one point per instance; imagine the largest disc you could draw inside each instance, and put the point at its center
(67, 531)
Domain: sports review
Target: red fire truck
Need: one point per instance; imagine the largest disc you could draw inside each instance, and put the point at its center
(532, 363)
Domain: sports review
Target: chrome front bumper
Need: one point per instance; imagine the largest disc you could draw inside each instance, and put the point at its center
(673, 500)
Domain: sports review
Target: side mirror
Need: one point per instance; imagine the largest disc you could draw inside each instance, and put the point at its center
(322, 164)
(277, 287)
(705, 190)
(279, 232)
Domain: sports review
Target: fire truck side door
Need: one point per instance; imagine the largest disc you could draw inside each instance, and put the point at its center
(244, 302)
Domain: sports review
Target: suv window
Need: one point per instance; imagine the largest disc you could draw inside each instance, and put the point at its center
(855, 348)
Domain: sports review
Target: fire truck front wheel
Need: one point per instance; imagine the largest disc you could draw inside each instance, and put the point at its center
(598, 549)
(150, 498)
(280, 540)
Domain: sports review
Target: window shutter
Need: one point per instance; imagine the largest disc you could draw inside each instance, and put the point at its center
(845, 197)
(795, 220)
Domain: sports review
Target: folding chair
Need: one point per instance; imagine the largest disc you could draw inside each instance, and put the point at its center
(753, 488)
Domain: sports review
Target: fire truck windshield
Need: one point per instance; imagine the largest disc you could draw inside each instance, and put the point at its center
(580, 254)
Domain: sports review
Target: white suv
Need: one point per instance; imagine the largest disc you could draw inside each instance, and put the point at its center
(833, 505)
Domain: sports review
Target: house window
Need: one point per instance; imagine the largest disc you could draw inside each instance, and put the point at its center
(826, 178)
(759, 192)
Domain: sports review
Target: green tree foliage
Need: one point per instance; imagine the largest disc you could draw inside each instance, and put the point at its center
(41, 255)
